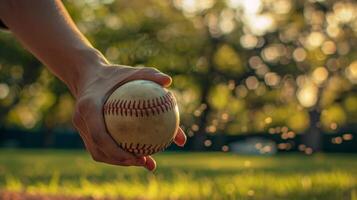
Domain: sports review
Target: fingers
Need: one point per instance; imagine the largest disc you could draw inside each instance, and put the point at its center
(152, 74)
(89, 118)
(133, 162)
(163, 79)
(180, 138)
(150, 163)
(110, 147)
(98, 142)
(141, 161)
(97, 131)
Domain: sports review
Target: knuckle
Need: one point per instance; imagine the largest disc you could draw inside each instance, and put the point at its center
(152, 70)
(84, 105)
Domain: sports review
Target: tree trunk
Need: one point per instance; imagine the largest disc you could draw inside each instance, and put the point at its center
(200, 135)
(313, 136)
(48, 138)
(206, 84)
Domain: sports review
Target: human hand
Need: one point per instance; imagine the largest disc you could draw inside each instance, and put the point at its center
(70, 57)
(88, 117)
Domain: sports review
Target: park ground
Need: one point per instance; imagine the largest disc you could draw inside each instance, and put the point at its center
(64, 174)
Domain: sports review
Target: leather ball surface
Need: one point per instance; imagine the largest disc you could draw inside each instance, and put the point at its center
(142, 117)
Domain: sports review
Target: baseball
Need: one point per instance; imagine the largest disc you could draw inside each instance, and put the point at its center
(142, 117)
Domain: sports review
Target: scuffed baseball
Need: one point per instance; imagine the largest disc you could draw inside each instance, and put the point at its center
(142, 117)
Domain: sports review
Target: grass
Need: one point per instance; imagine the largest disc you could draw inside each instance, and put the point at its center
(182, 176)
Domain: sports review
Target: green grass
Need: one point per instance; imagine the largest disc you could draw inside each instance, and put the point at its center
(182, 176)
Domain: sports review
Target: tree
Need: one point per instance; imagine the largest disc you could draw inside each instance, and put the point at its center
(238, 66)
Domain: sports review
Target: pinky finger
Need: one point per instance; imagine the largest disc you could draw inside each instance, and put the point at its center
(150, 163)
(134, 162)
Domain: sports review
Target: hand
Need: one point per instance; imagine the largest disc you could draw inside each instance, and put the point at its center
(89, 76)
(88, 117)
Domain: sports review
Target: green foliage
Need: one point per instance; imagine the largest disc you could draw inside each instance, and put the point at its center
(350, 105)
(219, 96)
(333, 114)
(226, 58)
(298, 121)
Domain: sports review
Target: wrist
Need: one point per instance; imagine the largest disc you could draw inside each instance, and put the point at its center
(86, 65)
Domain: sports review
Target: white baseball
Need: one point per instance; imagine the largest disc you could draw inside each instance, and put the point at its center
(142, 117)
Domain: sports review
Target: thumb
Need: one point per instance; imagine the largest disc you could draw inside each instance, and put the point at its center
(162, 79)
(151, 74)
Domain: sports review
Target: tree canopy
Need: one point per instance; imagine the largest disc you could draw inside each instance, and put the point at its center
(238, 66)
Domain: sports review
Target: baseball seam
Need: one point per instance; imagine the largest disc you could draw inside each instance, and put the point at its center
(141, 107)
(144, 149)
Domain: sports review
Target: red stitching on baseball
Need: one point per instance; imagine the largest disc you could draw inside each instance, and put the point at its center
(140, 108)
(145, 149)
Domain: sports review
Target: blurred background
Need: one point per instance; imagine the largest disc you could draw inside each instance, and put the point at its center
(251, 76)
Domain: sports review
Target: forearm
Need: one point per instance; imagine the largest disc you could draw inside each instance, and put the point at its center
(45, 28)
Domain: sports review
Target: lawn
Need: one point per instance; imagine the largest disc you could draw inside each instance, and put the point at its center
(181, 176)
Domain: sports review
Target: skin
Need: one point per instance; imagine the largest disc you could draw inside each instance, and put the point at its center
(45, 28)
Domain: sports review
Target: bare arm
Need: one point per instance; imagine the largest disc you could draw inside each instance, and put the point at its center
(45, 28)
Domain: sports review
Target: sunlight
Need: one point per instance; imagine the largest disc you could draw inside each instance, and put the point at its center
(4, 90)
(320, 75)
(227, 22)
(248, 41)
(193, 6)
(259, 24)
(351, 72)
(307, 94)
(315, 39)
(272, 79)
(299, 54)
(249, 6)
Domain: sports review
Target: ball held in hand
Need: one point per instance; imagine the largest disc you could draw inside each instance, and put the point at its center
(142, 117)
